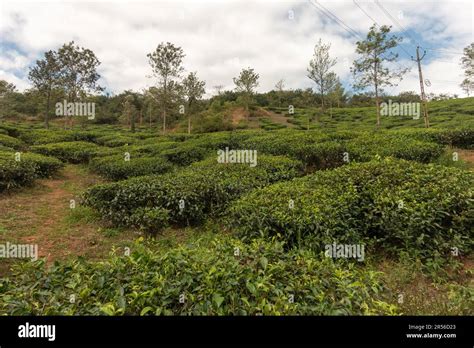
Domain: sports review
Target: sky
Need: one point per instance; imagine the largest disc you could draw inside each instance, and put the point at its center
(221, 37)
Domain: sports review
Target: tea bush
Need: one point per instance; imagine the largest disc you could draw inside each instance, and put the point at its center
(8, 141)
(73, 152)
(391, 205)
(205, 188)
(116, 168)
(115, 140)
(15, 174)
(262, 279)
(185, 154)
(369, 145)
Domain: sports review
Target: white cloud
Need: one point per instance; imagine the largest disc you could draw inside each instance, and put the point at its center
(222, 37)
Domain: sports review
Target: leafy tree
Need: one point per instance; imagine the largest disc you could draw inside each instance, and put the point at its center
(6, 91)
(337, 96)
(467, 63)
(166, 63)
(193, 90)
(130, 110)
(78, 68)
(280, 86)
(46, 77)
(369, 69)
(319, 70)
(245, 84)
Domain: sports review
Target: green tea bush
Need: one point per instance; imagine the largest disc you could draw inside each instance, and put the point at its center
(115, 140)
(391, 205)
(370, 145)
(73, 152)
(8, 141)
(261, 280)
(185, 154)
(116, 168)
(45, 136)
(45, 166)
(462, 137)
(15, 174)
(203, 189)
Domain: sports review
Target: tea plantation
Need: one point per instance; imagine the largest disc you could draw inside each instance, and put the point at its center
(202, 237)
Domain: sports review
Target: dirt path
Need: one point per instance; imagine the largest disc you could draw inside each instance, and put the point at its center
(43, 215)
(276, 118)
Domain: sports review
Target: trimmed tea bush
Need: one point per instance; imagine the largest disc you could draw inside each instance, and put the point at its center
(190, 195)
(261, 280)
(116, 168)
(368, 146)
(392, 205)
(73, 152)
(8, 141)
(15, 174)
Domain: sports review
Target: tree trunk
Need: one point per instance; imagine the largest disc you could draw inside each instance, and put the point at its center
(189, 124)
(46, 116)
(377, 105)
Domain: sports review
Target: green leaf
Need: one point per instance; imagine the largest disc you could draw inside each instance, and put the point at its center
(217, 299)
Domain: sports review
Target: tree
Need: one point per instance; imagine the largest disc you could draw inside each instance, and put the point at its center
(467, 63)
(369, 69)
(319, 70)
(130, 110)
(78, 75)
(337, 95)
(166, 63)
(6, 91)
(45, 77)
(280, 86)
(193, 90)
(246, 84)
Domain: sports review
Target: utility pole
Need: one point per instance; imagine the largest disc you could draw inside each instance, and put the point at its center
(422, 87)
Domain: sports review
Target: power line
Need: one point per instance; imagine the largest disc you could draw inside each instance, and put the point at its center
(401, 27)
(334, 18)
(442, 50)
(373, 20)
(376, 23)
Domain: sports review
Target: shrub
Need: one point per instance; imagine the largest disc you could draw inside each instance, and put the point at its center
(15, 174)
(8, 141)
(367, 146)
(392, 205)
(73, 152)
(116, 168)
(45, 166)
(185, 154)
(204, 188)
(261, 280)
(115, 140)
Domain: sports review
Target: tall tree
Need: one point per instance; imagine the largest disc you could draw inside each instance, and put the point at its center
(166, 63)
(246, 83)
(79, 75)
(280, 86)
(193, 90)
(319, 70)
(130, 110)
(6, 91)
(467, 63)
(369, 69)
(46, 77)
